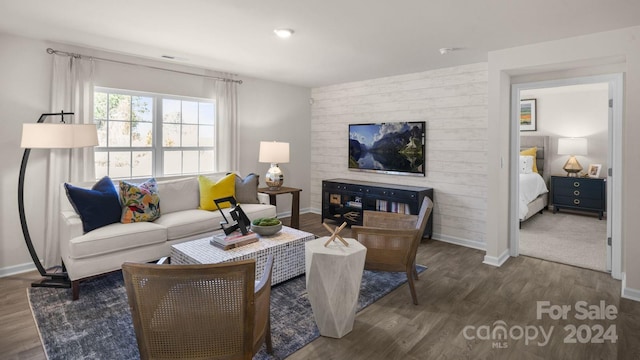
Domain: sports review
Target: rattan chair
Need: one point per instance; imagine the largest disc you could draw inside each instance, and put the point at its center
(262, 328)
(199, 311)
(392, 241)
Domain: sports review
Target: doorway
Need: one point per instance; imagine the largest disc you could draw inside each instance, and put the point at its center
(575, 236)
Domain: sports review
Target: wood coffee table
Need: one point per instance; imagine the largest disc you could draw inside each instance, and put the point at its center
(286, 246)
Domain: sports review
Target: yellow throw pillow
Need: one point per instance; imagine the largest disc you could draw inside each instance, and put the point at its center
(210, 191)
(531, 152)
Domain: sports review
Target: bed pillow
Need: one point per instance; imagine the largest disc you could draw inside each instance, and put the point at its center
(531, 152)
(140, 202)
(210, 190)
(98, 206)
(526, 164)
(247, 189)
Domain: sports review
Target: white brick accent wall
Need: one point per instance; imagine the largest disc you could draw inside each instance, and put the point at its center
(453, 102)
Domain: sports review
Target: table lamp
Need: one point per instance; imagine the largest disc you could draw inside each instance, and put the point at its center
(50, 136)
(275, 153)
(572, 147)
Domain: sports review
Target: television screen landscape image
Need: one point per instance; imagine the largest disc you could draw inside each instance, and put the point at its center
(390, 148)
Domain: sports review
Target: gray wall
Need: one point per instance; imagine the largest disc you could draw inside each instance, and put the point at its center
(266, 110)
(572, 111)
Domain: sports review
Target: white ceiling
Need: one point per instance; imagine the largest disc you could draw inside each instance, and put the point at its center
(335, 41)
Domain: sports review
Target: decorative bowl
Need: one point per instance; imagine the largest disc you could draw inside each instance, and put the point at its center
(266, 230)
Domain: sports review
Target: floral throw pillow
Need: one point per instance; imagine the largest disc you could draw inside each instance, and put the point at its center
(140, 202)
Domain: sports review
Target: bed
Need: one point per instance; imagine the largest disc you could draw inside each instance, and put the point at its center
(533, 197)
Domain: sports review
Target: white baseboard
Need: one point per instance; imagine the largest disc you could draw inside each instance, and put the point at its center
(627, 292)
(478, 245)
(496, 261)
(17, 269)
(288, 213)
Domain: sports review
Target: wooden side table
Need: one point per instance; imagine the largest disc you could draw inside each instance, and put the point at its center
(295, 201)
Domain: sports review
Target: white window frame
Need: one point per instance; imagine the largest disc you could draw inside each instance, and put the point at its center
(157, 149)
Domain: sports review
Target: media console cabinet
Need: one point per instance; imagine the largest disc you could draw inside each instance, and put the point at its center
(345, 200)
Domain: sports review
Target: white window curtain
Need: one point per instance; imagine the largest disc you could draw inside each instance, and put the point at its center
(71, 91)
(228, 138)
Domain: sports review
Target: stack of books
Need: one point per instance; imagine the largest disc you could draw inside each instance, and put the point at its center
(233, 240)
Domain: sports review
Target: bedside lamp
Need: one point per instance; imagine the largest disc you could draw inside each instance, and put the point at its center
(572, 147)
(275, 153)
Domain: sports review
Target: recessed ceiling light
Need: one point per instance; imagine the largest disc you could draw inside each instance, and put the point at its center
(447, 50)
(283, 33)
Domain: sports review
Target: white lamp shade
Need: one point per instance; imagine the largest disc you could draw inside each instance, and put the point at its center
(58, 136)
(572, 146)
(274, 152)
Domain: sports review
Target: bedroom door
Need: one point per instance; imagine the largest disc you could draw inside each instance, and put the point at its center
(612, 242)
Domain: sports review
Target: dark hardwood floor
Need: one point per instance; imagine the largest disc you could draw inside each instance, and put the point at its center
(458, 295)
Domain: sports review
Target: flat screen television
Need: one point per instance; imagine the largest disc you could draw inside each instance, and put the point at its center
(391, 148)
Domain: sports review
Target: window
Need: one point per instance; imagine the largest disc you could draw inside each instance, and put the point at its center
(145, 134)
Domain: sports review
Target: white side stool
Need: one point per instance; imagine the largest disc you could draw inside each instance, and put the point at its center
(334, 275)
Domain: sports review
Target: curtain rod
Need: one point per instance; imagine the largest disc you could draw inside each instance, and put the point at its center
(80, 56)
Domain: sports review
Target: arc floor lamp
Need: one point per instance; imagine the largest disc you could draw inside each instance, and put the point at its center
(50, 136)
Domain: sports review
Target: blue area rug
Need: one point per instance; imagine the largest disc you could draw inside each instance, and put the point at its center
(98, 325)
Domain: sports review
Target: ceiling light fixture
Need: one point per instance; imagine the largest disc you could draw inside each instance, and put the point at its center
(283, 33)
(446, 50)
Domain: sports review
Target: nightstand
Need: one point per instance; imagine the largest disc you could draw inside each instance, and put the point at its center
(578, 193)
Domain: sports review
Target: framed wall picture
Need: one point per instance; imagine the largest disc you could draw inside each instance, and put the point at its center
(594, 170)
(528, 115)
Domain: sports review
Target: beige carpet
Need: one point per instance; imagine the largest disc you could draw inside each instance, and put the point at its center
(568, 238)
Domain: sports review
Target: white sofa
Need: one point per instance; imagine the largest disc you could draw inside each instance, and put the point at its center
(104, 249)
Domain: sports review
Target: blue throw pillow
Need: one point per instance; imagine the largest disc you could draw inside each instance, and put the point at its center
(98, 206)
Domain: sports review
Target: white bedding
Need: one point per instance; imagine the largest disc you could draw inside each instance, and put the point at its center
(531, 186)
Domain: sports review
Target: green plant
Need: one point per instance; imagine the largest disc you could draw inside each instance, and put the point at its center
(265, 222)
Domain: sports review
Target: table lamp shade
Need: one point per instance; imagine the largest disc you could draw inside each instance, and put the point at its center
(273, 152)
(58, 136)
(572, 146)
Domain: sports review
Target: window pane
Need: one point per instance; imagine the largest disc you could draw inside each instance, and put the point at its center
(189, 135)
(120, 164)
(142, 134)
(206, 161)
(100, 106)
(102, 132)
(102, 160)
(170, 135)
(171, 111)
(189, 112)
(142, 161)
(119, 134)
(119, 107)
(172, 162)
(206, 135)
(207, 114)
(190, 162)
(142, 108)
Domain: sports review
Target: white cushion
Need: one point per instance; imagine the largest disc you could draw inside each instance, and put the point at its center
(189, 222)
(526, 164)
(116, 237)
(177, 195)
(255, 211)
